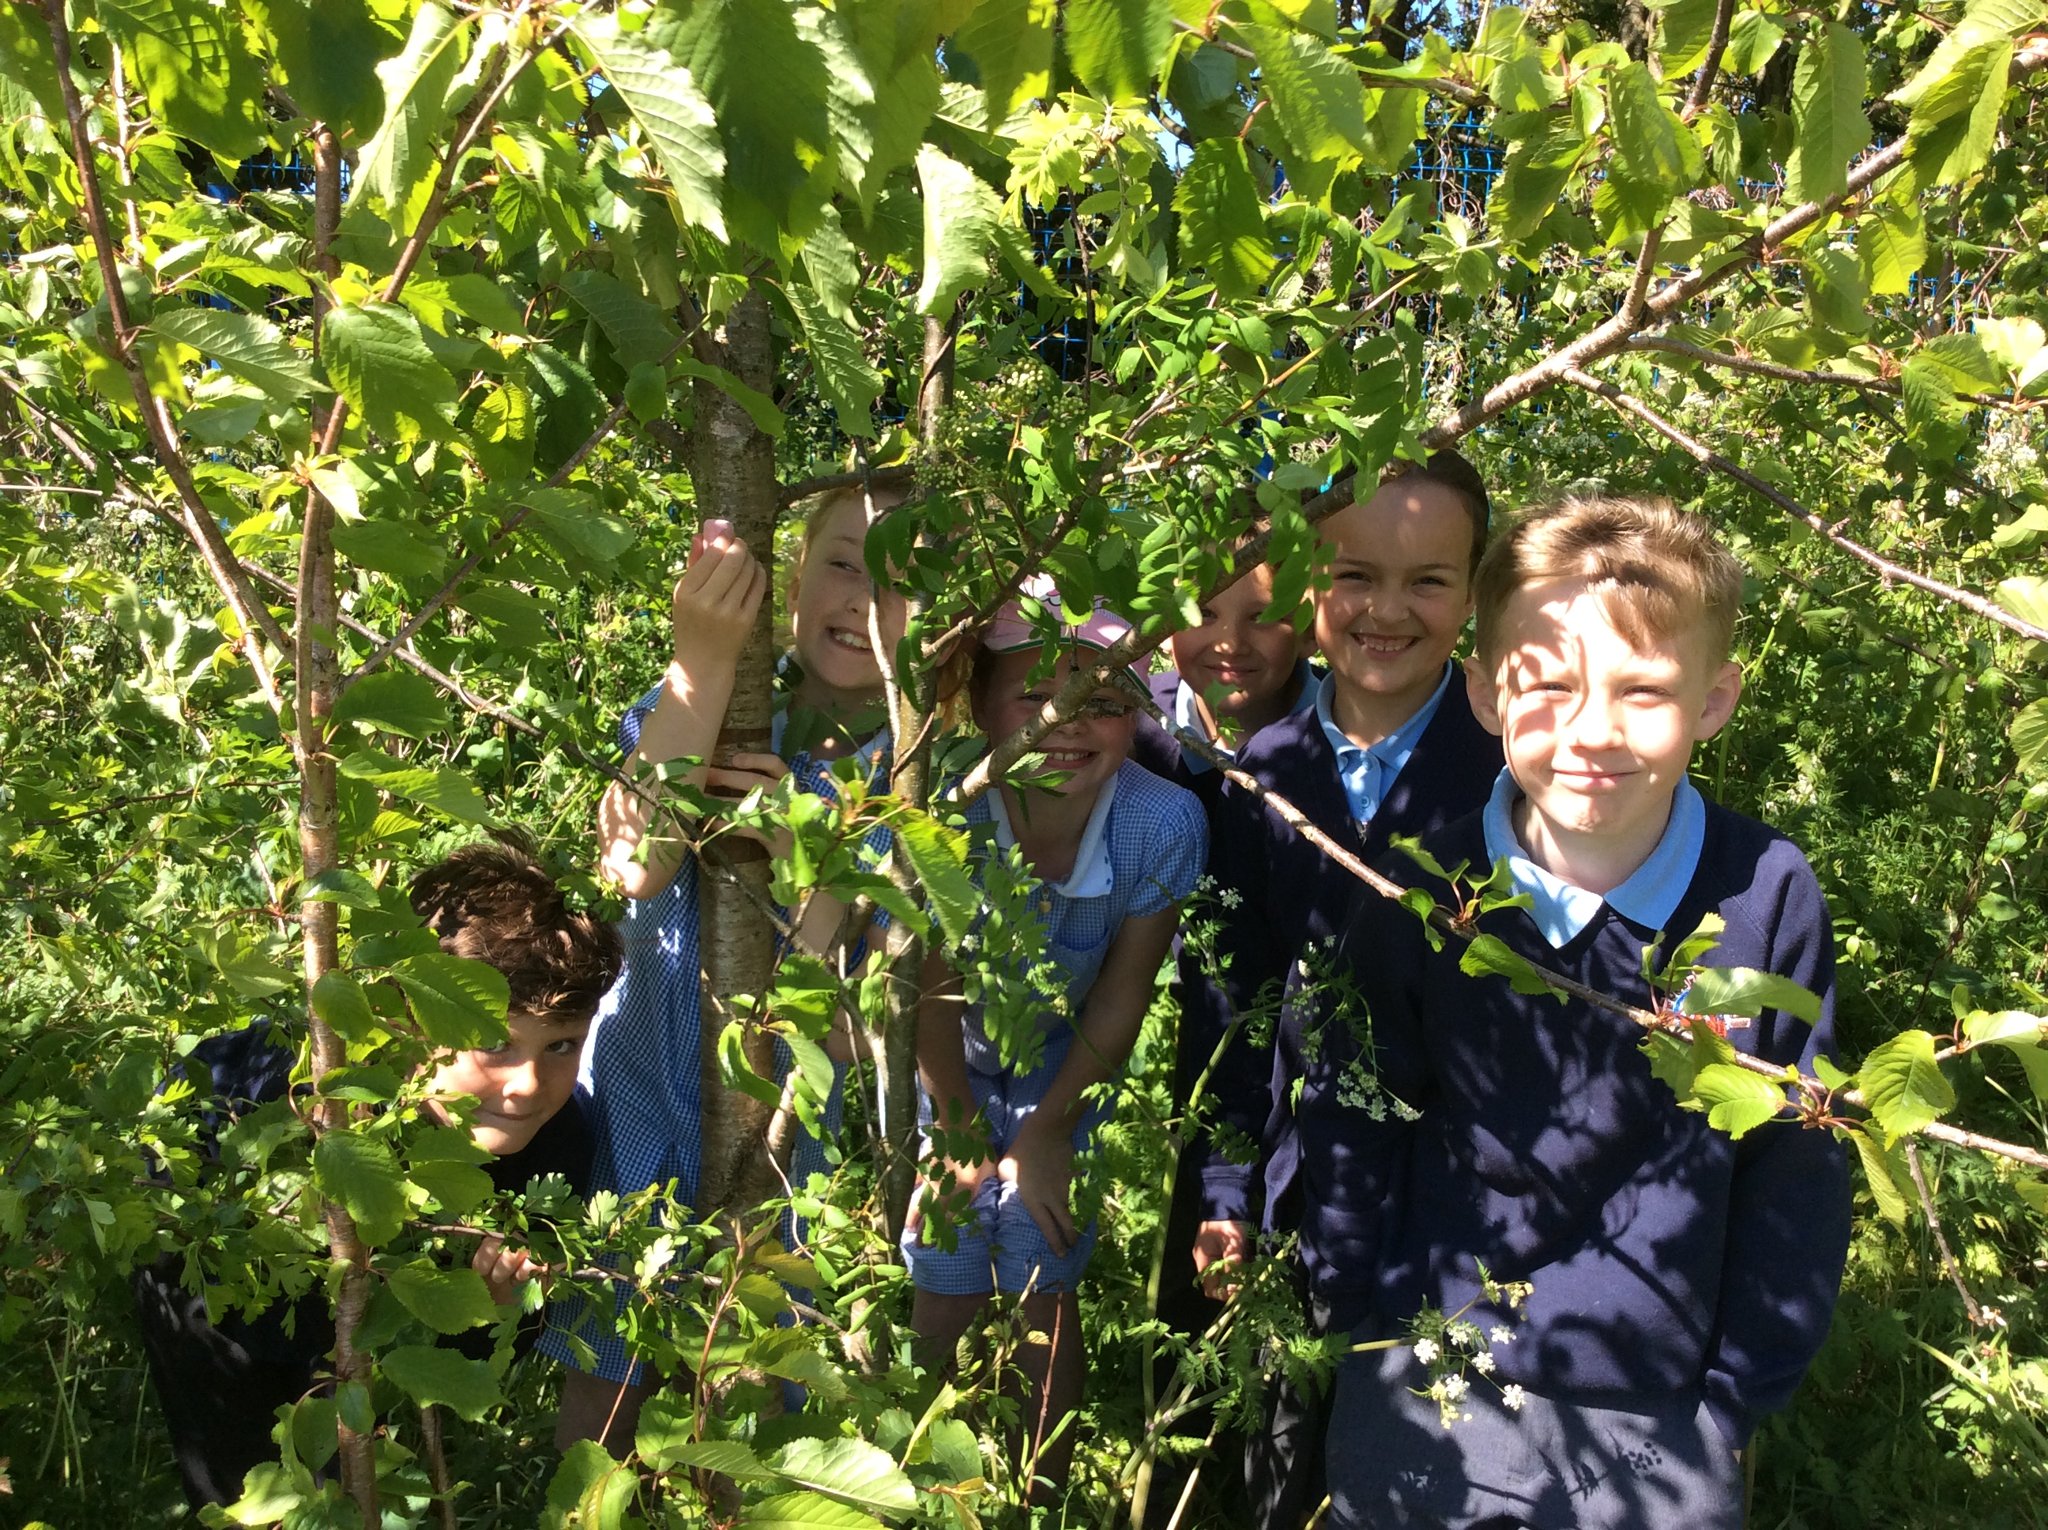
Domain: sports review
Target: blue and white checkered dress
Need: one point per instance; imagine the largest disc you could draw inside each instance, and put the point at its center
(1145, 844)
(640, 1067)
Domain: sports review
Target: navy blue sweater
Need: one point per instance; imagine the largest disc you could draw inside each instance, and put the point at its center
(1159, 752)
(1667, 1259)
(1288, 894)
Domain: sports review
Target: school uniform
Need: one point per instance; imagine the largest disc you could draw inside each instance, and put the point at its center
(1141, 850)
(1279, 899)
(221, 1380)
(1683, 1280)
(640, 1065)
(1169, 759)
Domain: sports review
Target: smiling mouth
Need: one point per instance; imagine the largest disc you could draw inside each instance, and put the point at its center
(1373, 643)
(849, 640)
(1061, 758)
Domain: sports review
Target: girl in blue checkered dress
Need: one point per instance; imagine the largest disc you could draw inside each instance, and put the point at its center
(641, 1066)
(1116, 850)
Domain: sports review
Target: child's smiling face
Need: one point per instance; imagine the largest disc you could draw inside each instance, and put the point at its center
(520, 1085)
(829, 598)
(1087, 749)
(1236, 663)
(1400, 592)
(1598, 728)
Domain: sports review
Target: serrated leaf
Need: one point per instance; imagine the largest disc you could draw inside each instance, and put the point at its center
(445, 790)
(1753, 37)
(1671, 1062)
(1883, 1169)
(429, 1374)
(852, 1471)
(251, 348)
(1892, 244)
(1490, 956)
(1650, 144)
(359, 1172)
(664, 1442)
(961, 212)
(639, 331)
(330, 51)
(2005, 1027)
(759, 406)
(1118, 47)
(576, 527)
(339, 1000)
(1904, 1086)
(1955, 121)
(1829, 127)
(395, 701)
(1737, 1100)
(1683, 32)
(2029, 738)
(671, 110)
(1316, 95)
(340, 885)
(193, 62)
(843, 371)
(1534, 177)
(447, 1301)
(1746, 991)
(1009, 43)
(803, 1511)
(377, 360)
(938, 855)
(395, 164)
(398, 548)
(1222, 222)
(458, 1002)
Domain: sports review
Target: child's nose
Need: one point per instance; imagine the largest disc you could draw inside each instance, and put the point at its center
(520, 1080)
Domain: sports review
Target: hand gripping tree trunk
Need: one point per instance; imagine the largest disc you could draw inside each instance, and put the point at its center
(733, 468)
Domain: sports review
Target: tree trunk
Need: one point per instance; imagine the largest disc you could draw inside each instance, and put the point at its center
(734, 473)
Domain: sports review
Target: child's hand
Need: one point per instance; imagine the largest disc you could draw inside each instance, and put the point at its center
(1040, 1164)
(965, 1180)
(1219, 1248)
(505, 1270)
(716, 600)
(741, 775)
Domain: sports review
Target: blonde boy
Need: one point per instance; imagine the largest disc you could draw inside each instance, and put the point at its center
(1682, 1280)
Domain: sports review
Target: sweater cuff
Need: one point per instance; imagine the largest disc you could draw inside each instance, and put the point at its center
(1227, 1193)
(1736, 1423)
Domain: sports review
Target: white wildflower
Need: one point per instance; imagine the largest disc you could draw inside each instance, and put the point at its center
(1454, 1387)
(1466, 1335)
(1513, 1396)
(1954, 497)
(1426, 1350)
(1501, 1334)
(1230, 897)
(1483, 1362)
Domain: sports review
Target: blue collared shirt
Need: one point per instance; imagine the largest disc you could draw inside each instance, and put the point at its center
(1650, 895)
(1189, 719)
(1369, 771)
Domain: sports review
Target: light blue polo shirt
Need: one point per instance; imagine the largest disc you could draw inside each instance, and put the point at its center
(1368, 771)
(1650, 895)
(1189, 720)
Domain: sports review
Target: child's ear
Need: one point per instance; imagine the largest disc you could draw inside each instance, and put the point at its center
(1479, 687)
(1721, 698)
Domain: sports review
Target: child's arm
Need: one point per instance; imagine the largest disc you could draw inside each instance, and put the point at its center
(1040, 1162)
(942, 1068)
(711, 614)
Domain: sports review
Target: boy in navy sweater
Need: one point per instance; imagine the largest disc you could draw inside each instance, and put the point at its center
(1680, 1281)
(1389, 747)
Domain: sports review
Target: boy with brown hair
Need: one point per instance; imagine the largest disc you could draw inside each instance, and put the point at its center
(1680, 1281)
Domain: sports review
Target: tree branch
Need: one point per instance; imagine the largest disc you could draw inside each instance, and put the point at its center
(1710, 66)
(1892, 572)
(826, 483)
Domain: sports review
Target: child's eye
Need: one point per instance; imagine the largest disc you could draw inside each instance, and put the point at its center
(567, 1046)
(497, 1051)
(842, 563)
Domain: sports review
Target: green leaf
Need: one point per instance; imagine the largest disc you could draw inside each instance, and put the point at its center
(253, 349)
(1118, 47)
(759, 406)
(1834, 286)
(666, 1440)
(2026, 598)
(447, 1301)
(1490, 956)
(1904, 1086)
(339, 1000)
(2005, 1027)
(1737, 1100)
(395, 166)
(395, 701)
(850, 382)
(1222, 222)
(1955, 120)
(1534, 177)
(340, 885)
(458, 1002)
(448, 1165)
(1753, 37)
(1683, 33)
(1009, 44)
(803, 1511)
(1892, 244)
(2029, 738)
(1746, 991)
(359, 1172)
(1884, 1170)
(852, 1471)
(639, 331)
(378, 361)
(398, 548)
(444, 790)
(671, 110)
(194, 65)
(961, 212)
(1650, 143)
(1829, 127)
(1317, 96)
(429, 1374)
(330, 51)
(938, 855)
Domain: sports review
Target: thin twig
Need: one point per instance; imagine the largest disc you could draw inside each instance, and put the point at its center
(1891, 571)
(1954, 1270)
(1710, 65)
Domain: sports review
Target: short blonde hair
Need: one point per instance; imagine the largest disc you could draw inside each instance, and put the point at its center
(1658, 571)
